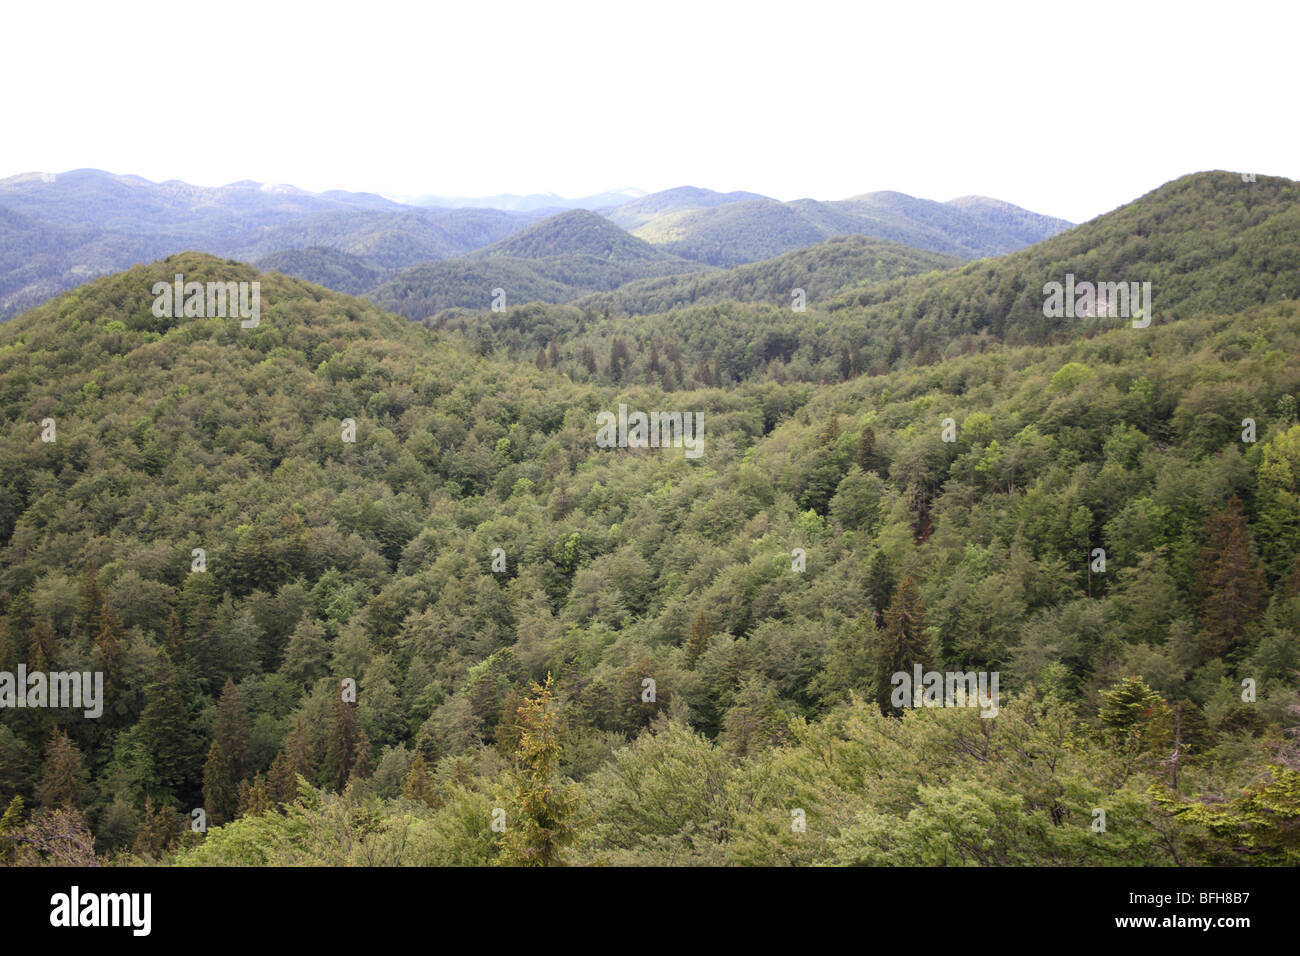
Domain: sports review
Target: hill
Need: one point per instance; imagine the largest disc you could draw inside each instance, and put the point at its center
(638, 212)
(476, 539)
(820, 271)
(574, 233)
(331, 268)
(132, 204)
(59, 232)
(556, 260)
(532, 203)
(1207, 243)
(750, 230)
(1012, 223)
(385, 240)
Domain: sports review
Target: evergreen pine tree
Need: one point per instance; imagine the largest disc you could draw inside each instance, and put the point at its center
(903, 642)
(1230, 584)
(539, 806)
(63, 778)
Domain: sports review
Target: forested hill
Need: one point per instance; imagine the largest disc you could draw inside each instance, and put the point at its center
(1207, 243)
(558, 259)
(826, 538)
(574, 233)
(820, 271)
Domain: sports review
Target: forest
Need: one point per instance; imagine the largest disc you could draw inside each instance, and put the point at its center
(471, 636)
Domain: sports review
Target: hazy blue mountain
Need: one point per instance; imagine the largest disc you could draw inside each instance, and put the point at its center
(638, 212)
(576, 232)
(106, 201)
(59, 231)
(747, 231)
(532, 202)
(388, 240)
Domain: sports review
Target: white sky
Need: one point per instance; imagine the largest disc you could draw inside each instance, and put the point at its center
(1069, 110)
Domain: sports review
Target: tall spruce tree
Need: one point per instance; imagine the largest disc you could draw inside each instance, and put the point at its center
(539, 806)
(903, 642)
(1230, 585)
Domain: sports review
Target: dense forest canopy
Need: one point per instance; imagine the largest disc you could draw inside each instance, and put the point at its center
(395, 643)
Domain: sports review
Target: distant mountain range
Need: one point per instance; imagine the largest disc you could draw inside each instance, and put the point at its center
(746, 230)
(533, 202)
(57, 232)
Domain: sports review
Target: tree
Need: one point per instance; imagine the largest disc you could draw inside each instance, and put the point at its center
(880, 585)
(540, 807)
(347, 750)
(1230, 586)
(903, 641)
(220, 785)
(232, 728)
(418, 785)
(109, 654)
(158, 831)
(297, 759)
(755, 720)
(229, 759)
(868, 457)
(698, 641)
(63, 778)
(255, 797)
(9, 824)
(1259, 826)
(306, 656)
(165, 733)
(1136, 716)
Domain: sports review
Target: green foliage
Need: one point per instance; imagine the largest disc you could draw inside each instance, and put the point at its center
(373, 560)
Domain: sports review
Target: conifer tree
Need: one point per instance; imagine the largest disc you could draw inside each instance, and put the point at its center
(1230, 584)
(866, 457)
(42, 647)
(109, 655)
(233, 728)
(255, 797)
(9, 824)
(539, 806)
(903, 642)
(297, 759)
(880, 585)
(165, 731)
(418, 785)
(63, 778)
(347, 748)
(1136, 716)
(220, 785)
(159, 830)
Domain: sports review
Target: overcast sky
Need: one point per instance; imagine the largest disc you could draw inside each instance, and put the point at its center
(1069, 110)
